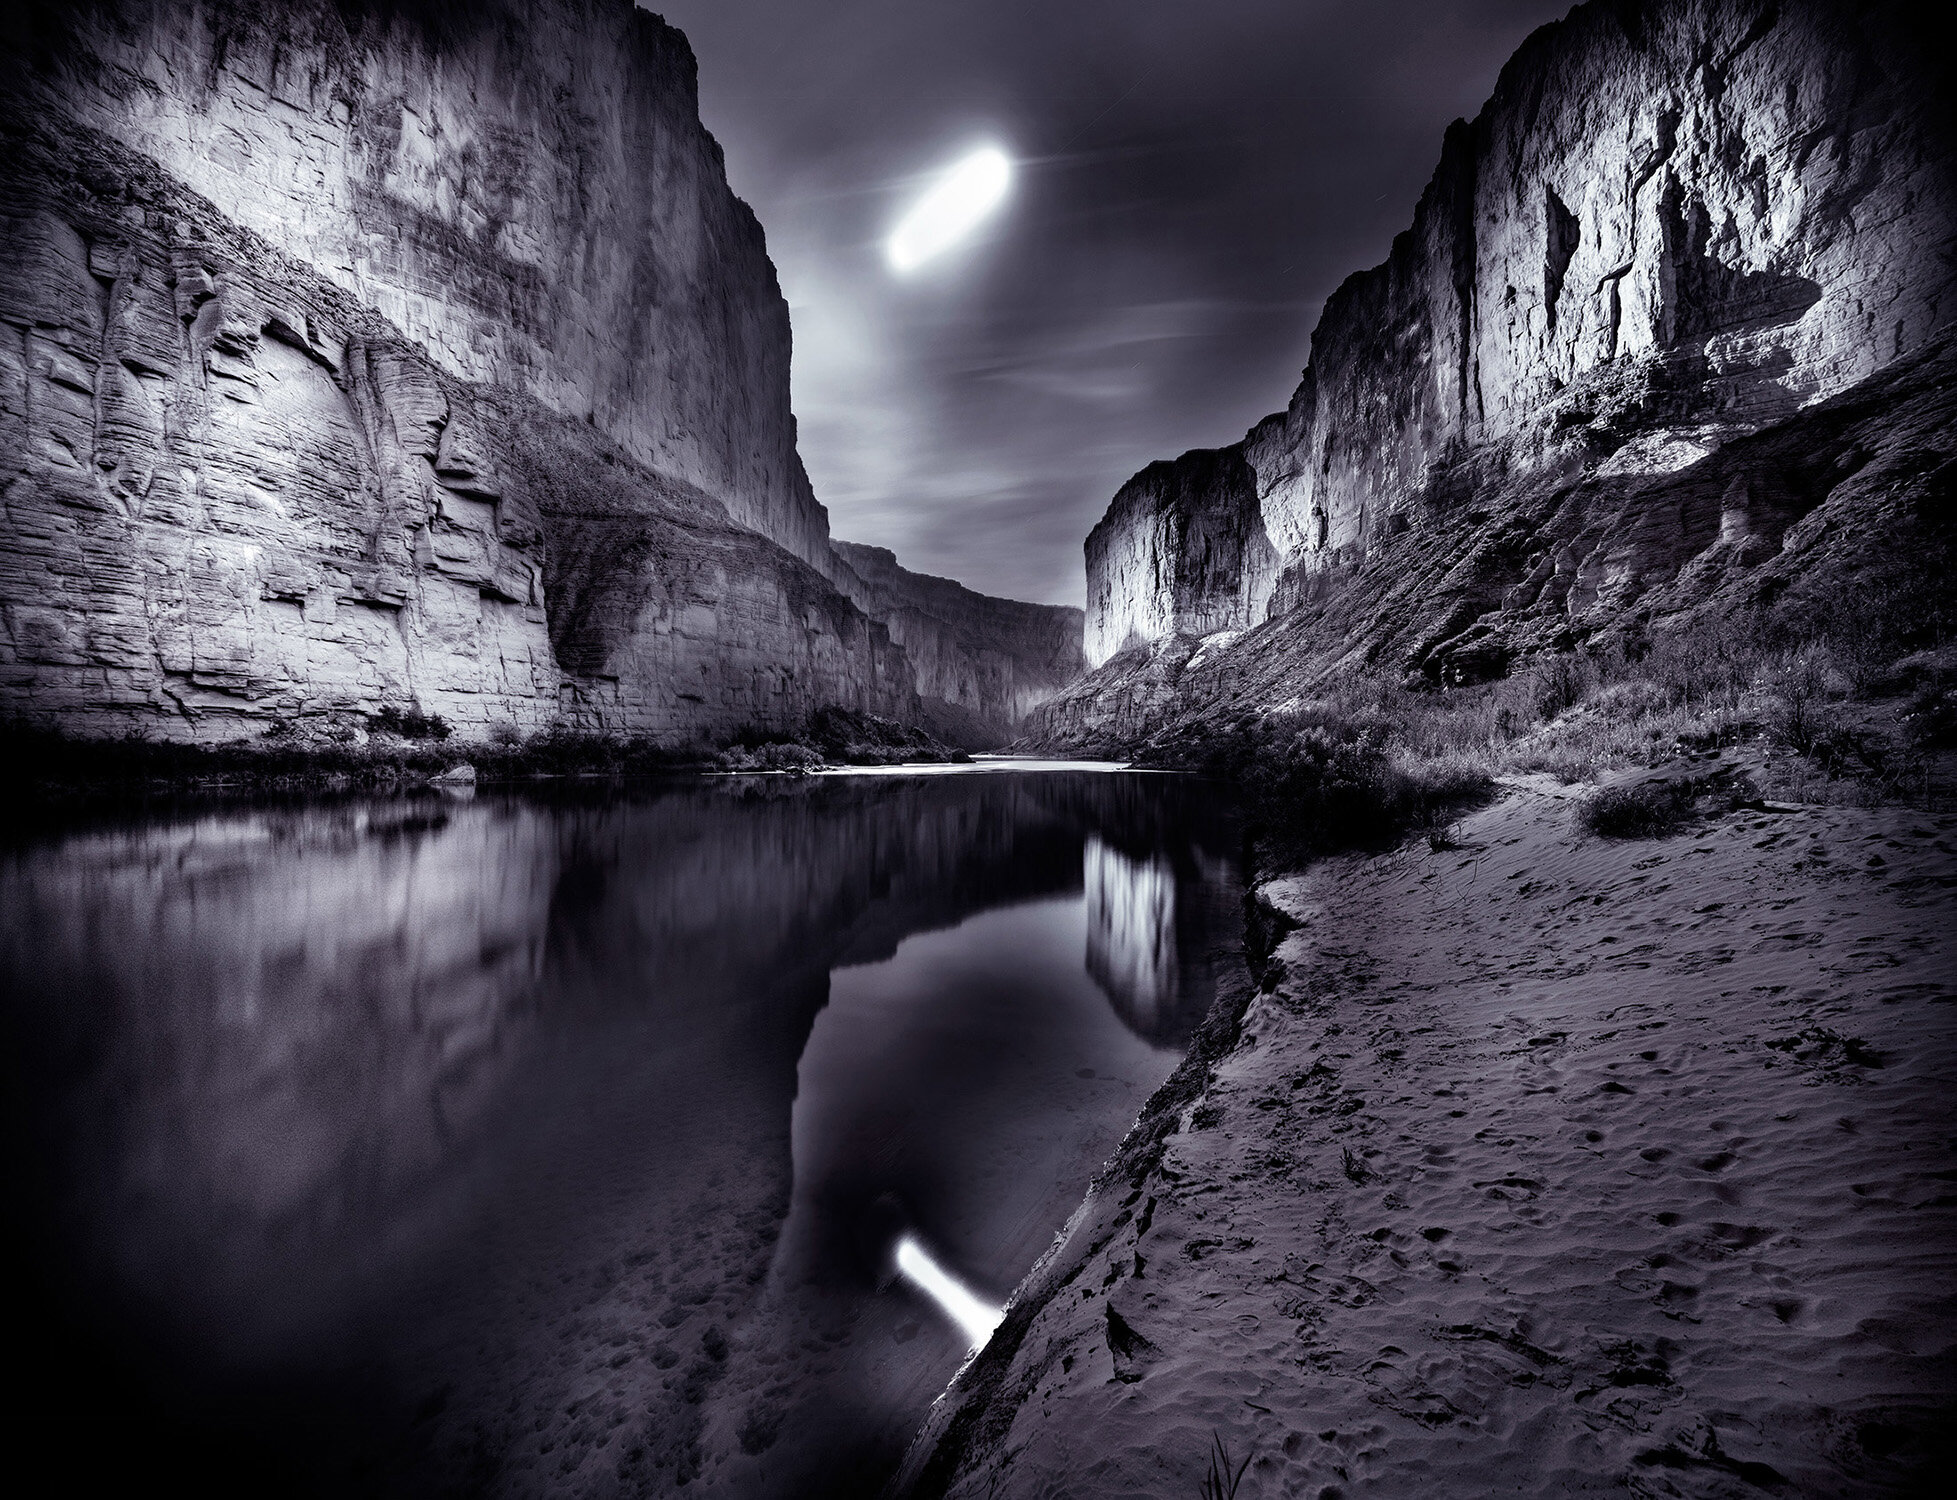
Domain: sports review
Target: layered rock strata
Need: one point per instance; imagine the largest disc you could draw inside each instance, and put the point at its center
(525, 191)
(369, 355)
(236, 498)
(1672, 225)
(981, 663)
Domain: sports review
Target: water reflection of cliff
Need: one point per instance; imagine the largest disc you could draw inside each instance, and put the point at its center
(1131, 933)
(348, 1084)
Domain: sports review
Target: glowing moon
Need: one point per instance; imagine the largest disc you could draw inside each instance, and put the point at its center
(956, 204)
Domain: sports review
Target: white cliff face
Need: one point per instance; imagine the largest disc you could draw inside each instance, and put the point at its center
(1694, 216)
(525, 191)
(360, 354)
(1672, 224)
(1181, 551)
(231, 498)
(236, 499)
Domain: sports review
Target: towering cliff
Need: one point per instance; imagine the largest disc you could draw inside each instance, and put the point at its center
(370, 352)
(1181, 551)
(524, 189)
(1673, 225)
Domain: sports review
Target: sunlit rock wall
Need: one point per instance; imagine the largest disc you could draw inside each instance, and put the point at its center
(1673, 223)
(981, 663)
(237, 499)
(1670, 222)
(369, 353)
(231, 497)
(524, 189)
(1182, 550)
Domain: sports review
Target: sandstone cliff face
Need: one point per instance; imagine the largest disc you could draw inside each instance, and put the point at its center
(1182, 550)
(1672, 225)
(367, 353)
(235, 497)
(524, 190)
(981, 663)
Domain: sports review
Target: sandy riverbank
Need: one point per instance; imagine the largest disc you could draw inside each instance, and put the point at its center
(1544, 1165)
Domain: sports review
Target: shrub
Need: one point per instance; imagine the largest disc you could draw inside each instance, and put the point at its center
(774, 756)
(1649, 810)
(409, 723)
(1558, 683)
(1317, 781)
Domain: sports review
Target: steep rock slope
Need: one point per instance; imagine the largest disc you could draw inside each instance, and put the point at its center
(377, 352)
(524, 190)
(1672, 225)
(235, 498)
(981, 663)
(1828, 516)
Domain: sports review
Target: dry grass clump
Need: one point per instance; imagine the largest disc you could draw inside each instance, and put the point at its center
(1824, 738)
(1222, 1481)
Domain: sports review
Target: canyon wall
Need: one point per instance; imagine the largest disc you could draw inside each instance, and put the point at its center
(981, 663)
(524, 190)
(1673, 224)
(236, 499)
(381, 354)
(1181, 550)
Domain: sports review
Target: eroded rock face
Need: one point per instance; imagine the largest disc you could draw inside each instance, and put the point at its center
(525, 190)
(371, 354)
(230, 496)
(982, 664)
(1182, 550)
(1672, 225)
(235, 497)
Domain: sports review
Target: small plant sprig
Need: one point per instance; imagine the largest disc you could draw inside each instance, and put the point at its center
(1221, 1482)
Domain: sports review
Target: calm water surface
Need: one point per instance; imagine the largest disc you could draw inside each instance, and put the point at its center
(559, 1143)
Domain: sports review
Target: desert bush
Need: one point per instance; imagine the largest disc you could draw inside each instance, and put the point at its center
(559, 751)
(1647, 811)
(777, 755)
(1702, 663)
(837, 736)
(1558, 683)
(1795, 689)
(409, 723)
(1314, 780)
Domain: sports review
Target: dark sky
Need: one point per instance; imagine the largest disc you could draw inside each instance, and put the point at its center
(1193, 180)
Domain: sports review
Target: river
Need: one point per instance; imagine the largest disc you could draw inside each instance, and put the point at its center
(563, 1140)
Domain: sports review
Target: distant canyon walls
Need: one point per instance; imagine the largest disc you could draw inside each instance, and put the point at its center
(977, 658)
(1675, 222)
(380, 353)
